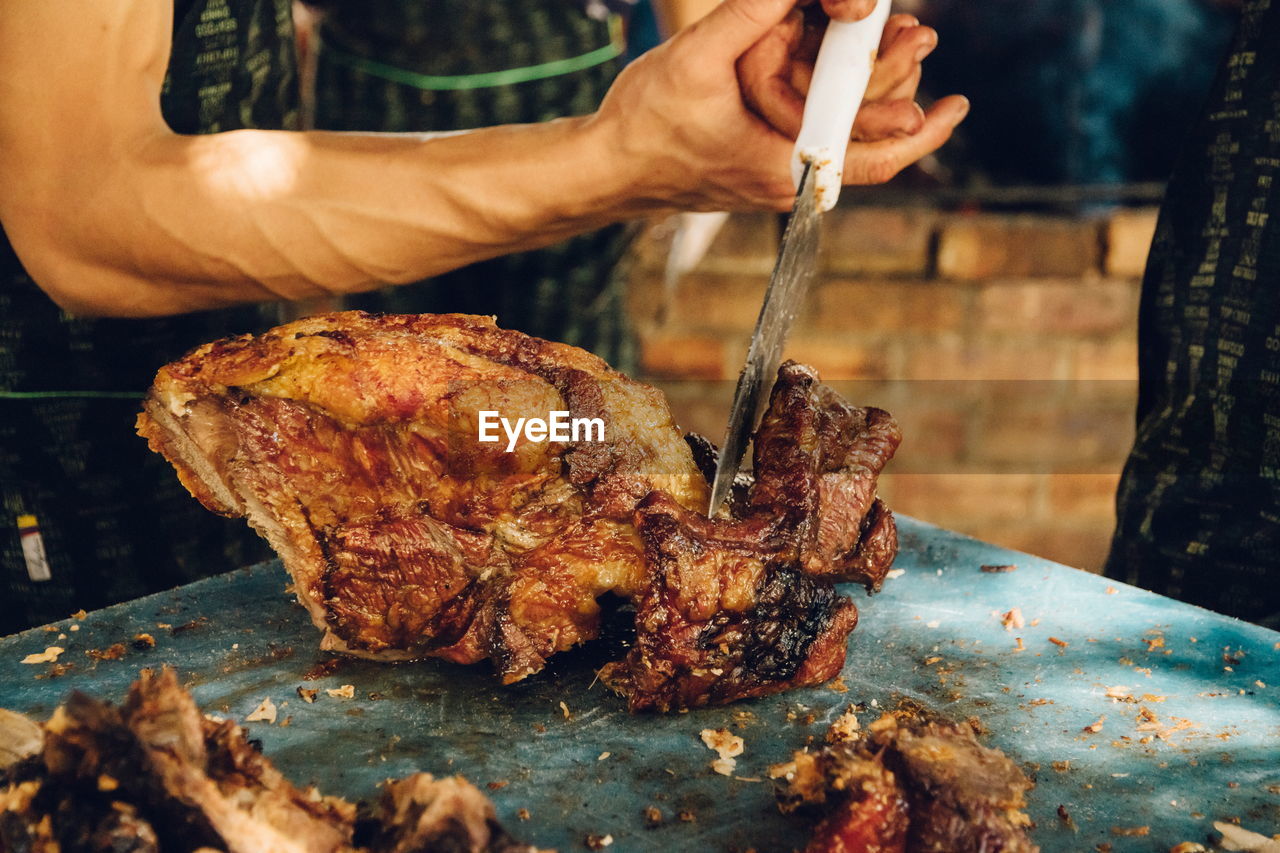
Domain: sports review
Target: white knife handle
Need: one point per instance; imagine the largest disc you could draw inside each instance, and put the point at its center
(839, 83)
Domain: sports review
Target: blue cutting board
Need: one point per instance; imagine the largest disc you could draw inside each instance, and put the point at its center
(933, 636)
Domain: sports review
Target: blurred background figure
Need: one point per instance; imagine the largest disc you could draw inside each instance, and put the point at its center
(442, 65)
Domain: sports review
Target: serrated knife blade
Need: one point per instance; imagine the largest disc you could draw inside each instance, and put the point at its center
(840, 77)
(788, 287)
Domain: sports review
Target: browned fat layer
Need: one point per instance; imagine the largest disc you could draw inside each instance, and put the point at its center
(201, 472)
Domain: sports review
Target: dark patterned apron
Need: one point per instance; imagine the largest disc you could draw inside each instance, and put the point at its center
(415, 65)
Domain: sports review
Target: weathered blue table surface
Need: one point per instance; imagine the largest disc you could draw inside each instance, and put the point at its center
(1206, 747)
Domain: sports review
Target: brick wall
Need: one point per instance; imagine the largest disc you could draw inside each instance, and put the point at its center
(1004, 344)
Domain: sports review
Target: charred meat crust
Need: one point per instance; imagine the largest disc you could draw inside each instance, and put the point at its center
(349, 441)
(724, 618)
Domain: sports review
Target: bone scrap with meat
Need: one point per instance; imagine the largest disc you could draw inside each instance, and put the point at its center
(351, 442)
(156, 775)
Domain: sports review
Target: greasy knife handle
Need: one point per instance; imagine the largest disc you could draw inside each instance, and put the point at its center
(839, 83)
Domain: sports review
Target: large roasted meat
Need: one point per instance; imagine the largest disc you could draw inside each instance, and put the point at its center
(351, 442)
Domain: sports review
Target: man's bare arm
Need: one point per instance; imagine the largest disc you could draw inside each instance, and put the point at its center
(112, 213)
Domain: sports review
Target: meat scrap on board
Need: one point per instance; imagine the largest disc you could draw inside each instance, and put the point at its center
(351, 442)
(905, 784)
(156, 775)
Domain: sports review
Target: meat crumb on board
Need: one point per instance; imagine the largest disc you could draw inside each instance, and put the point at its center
(323, 669)
(346, 691)
(1131, 831)
(113, 652)
(307, 695)
(598, 842)
(1096, 725)
(264, 713)
(1238, 838)
(844, 728)
(49, 655)
(727, 745)
(1120, 693)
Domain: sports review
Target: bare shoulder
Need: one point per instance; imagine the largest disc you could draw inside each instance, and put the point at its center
(79, 90)
(64, 66)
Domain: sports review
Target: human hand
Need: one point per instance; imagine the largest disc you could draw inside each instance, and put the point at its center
(707, 120)
(891, 130)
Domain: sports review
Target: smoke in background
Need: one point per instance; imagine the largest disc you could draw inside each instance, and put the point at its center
(1074, 91)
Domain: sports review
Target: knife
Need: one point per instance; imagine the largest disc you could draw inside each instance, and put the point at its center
(840, 77)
